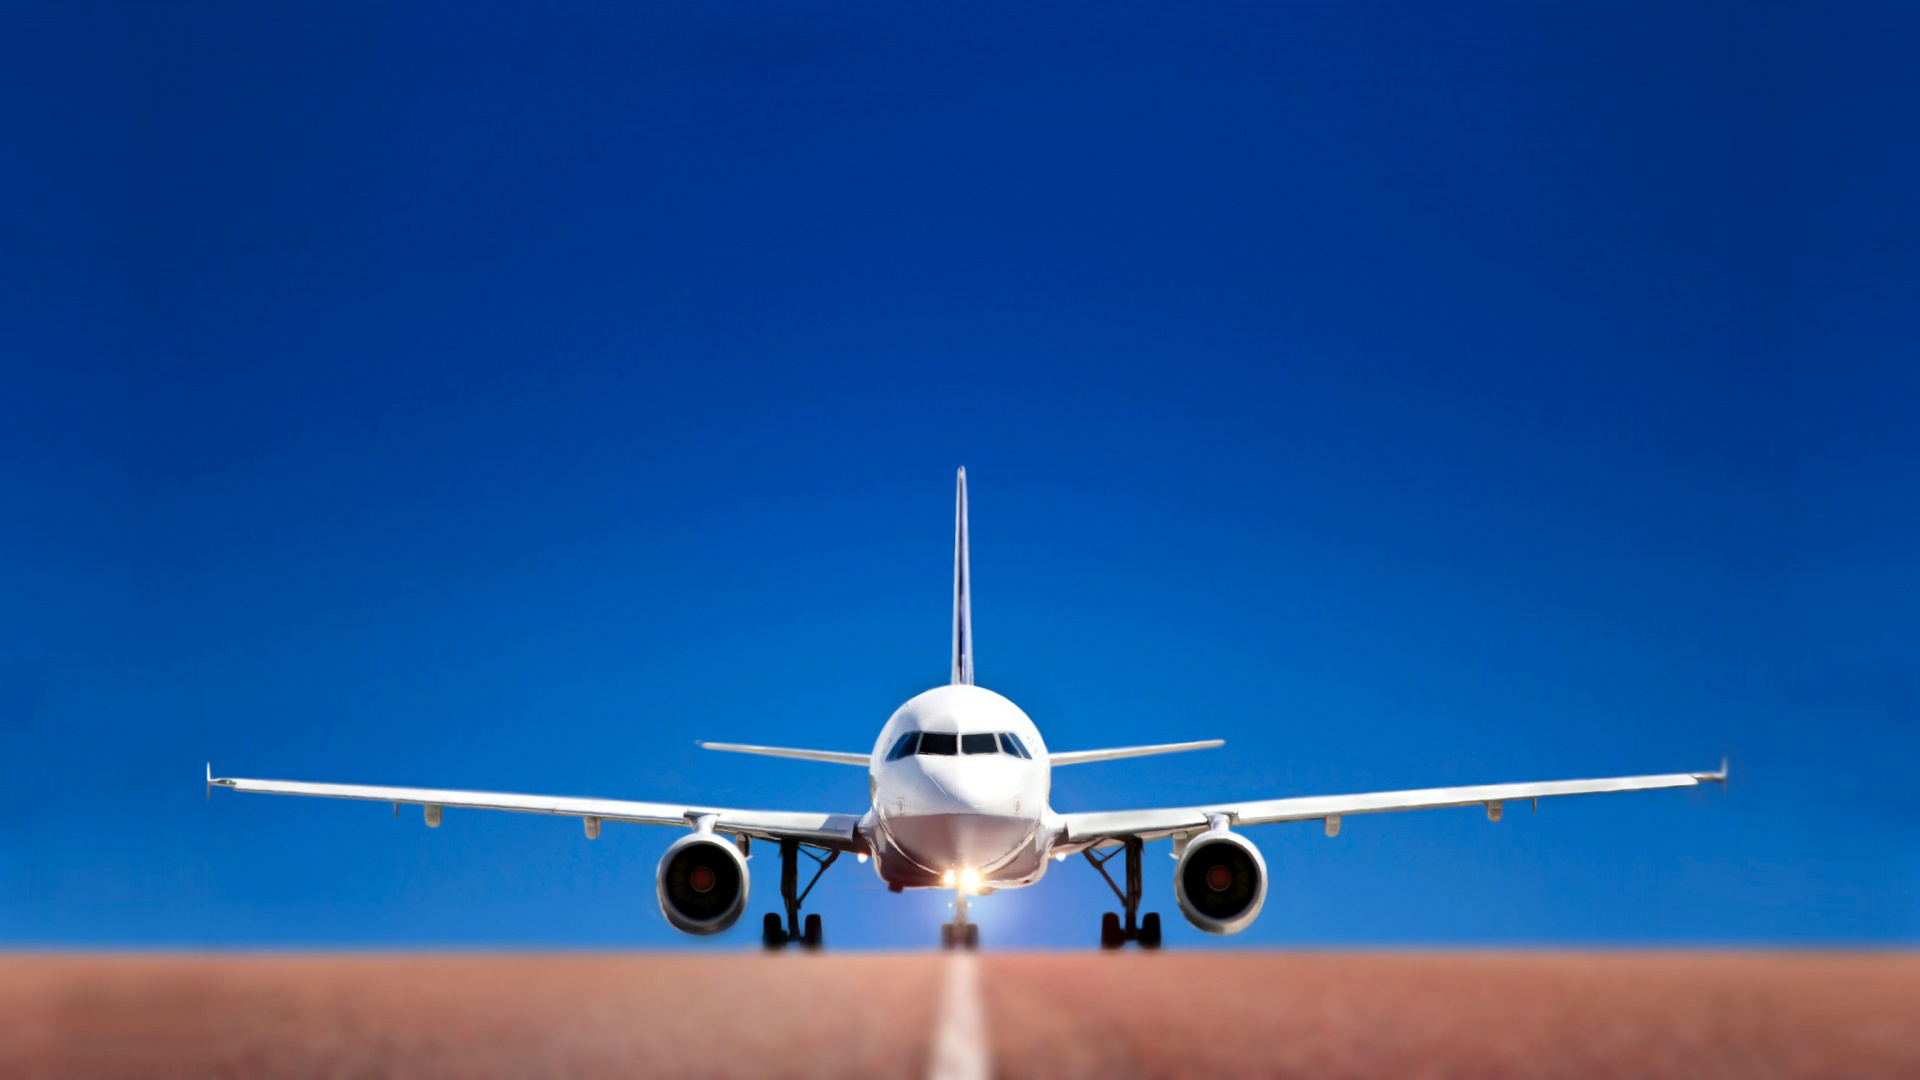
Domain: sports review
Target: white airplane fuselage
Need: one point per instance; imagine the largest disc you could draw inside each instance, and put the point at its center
(938, 817)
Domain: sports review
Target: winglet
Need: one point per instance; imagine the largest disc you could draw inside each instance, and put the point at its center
(1714, 777)
(962, 590)
(209, 781)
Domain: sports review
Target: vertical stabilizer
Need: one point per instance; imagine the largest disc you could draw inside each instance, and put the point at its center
(962, 591)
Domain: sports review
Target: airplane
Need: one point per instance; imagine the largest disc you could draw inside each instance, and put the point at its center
(959, 780)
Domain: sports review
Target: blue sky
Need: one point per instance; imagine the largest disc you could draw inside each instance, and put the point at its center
(1414, 394)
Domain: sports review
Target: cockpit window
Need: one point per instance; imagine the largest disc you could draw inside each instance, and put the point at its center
(904, 746)
(938, 742)
(979, 743)
(1011, 744)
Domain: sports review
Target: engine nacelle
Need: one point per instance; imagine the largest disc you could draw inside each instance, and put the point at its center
(1221, 882)
(703, 884)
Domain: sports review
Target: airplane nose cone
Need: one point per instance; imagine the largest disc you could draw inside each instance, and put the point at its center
(947, 841)
(961, 813)
(958, 786)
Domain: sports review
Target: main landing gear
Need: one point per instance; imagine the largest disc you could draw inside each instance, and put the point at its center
(960, 934)
(772, 934)
(1114, 934)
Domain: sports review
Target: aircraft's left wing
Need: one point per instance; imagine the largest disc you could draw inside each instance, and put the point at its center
(1088, 830)
(834, 831)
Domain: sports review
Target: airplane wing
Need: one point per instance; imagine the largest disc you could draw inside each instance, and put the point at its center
(1076, 757)
(835, 756)
(837, 832)
(1083, 831)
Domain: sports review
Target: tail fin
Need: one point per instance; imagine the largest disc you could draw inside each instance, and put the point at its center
(962, 591)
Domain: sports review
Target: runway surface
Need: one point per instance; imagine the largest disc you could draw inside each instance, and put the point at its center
(1175, 1014)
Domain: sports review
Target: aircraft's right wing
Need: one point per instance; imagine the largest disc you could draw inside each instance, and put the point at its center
(1088, 830)
(835, 831)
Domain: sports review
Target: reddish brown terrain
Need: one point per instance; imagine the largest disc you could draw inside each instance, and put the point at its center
(1321, 1015)
(1407, 1015)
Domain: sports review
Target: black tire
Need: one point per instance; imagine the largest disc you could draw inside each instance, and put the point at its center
(811, 939)
(973, 936)
(946, 935)
(1150, 930)
(772, 934)
(1111, 936)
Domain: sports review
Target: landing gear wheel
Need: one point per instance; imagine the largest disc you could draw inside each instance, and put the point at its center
(946, 935)
(1150, 930)
(777, 934)
(973, 936)
(1113, 932)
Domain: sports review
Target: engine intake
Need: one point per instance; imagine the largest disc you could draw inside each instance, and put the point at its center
(1220, 882)
(703, 884)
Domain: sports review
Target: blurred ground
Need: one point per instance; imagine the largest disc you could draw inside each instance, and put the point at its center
(1322, 1015)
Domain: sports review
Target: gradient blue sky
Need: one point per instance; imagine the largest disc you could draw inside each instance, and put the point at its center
(1409, 394)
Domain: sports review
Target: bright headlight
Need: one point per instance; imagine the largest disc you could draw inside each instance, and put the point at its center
(947, 879)
(970, 879)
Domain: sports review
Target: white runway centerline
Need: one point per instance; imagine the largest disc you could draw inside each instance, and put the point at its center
(960, 1037)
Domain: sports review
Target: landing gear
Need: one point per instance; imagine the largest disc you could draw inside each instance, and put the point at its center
(1114, 933)
(772, 934)
(961, 936)
(960, 933)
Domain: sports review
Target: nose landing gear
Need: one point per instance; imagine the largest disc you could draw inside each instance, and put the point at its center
(772, 934)
(960, 934)
(1114, 933)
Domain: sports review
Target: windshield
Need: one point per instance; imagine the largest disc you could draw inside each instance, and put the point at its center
(904, 746)
(938, 742)
(980, 743)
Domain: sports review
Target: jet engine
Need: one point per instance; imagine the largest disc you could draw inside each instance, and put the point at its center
(1220, 881)
(703, 884)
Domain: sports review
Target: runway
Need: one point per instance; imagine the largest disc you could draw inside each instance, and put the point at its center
(1175, 1014)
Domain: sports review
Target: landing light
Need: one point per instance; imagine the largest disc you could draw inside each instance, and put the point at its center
(970, 879)
(947, 879)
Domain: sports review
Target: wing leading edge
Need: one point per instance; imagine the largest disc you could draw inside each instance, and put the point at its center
(1084, 830)
(835, 831)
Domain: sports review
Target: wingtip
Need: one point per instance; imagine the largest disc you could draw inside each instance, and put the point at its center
(1719, 777)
